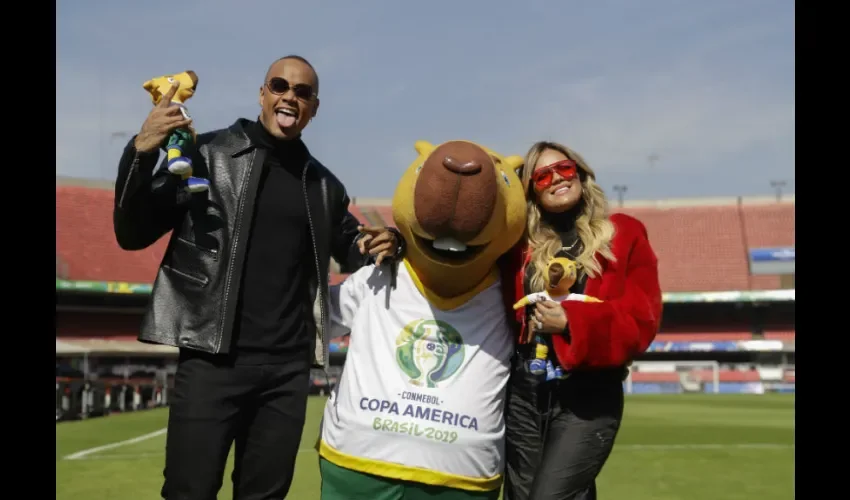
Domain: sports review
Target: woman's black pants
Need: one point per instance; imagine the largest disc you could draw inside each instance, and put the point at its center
(559, 433)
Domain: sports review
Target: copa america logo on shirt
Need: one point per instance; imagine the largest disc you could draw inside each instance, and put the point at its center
(429, 352)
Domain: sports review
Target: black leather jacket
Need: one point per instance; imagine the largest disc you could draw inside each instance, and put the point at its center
(195, 291)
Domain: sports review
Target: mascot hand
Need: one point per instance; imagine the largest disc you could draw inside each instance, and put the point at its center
(378, 241)
(532, 299)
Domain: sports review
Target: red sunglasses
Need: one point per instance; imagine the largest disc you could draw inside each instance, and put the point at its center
(543, 177)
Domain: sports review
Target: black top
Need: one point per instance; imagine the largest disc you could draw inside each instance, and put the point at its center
(269, 326)
(564, 225)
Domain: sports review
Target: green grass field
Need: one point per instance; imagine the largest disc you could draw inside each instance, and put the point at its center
(684, 447)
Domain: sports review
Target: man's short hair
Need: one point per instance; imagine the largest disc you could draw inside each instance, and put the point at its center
(303, 60)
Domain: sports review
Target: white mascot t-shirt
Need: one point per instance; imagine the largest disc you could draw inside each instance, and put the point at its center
(422, 393)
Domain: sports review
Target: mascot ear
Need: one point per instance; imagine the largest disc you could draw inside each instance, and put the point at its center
(423, 147)
(150, 86)
(514, 163)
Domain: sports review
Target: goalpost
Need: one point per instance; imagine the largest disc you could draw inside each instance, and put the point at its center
(690, 374)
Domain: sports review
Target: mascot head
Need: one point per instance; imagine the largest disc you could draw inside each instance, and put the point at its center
(157, 87)
(459, 206)
(560, 276)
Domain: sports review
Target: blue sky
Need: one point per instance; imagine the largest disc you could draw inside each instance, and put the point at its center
(706, 87)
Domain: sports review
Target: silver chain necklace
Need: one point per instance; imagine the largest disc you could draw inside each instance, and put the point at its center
(567, 249)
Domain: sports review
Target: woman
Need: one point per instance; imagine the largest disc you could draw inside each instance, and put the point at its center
(560, 432)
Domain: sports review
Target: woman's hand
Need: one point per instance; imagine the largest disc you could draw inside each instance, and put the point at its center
(549, 317)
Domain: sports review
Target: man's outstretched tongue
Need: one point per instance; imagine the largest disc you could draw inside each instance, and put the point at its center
(284, 120)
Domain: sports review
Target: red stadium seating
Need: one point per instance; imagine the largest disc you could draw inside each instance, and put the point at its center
(783, 336)
(705, 248)
(768, 226)
(704, 375)
(386, 214)
(355, 211)
(703, 337)
(86, 243)
(377, 216)
(700, 248)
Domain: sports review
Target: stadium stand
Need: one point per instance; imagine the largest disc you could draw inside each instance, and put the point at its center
(733, 341)
(86, 243)
(700, 248)
(705, 248)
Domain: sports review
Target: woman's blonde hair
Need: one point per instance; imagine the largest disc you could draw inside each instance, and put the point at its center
(594, 229)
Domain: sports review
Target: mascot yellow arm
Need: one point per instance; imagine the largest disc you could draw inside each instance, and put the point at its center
(532, 298)
(541, 296)
(522, 303)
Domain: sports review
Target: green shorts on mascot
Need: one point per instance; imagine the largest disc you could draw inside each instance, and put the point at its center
(418, 410)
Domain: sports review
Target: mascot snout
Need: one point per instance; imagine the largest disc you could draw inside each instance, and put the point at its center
(459, 206)
(456, 193)
(556, 272)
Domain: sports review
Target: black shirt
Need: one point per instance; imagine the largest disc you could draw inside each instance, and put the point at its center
(269, 327)
(571, 246)
(564, 225)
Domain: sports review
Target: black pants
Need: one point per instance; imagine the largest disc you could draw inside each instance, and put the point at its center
(560, 433)
(214, 403)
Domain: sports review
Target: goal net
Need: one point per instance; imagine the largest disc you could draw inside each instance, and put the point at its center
(673, 377)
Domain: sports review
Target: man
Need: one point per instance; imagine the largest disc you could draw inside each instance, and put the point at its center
(242, 289)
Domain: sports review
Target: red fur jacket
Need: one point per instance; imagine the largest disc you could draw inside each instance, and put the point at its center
(608, 333)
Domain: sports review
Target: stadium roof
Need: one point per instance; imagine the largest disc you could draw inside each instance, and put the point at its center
(702, 244)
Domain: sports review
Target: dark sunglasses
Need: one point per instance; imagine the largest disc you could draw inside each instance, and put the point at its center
(543, 177)
(280, 86)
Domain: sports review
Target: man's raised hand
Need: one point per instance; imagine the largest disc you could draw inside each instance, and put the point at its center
(161, 121)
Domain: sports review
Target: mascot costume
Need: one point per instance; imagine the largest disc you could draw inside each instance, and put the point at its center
(181, 140)
(418, 411)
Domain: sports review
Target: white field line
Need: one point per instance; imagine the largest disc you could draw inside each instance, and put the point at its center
(89, 454)
(84, 453)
